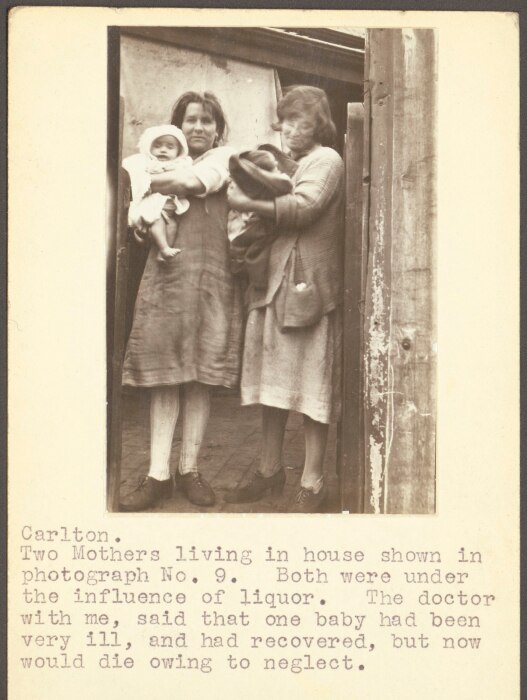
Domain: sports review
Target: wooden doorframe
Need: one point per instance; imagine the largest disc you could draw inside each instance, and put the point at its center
(387, 436)
(117, 273)
(400, 364)
(350, 453)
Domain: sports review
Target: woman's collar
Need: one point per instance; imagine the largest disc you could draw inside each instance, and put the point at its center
(303, 154)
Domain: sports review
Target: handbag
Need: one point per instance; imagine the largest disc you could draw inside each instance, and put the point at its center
(302, 304)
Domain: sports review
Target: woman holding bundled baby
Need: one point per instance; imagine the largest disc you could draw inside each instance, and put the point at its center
(186, 333)
(292, 354)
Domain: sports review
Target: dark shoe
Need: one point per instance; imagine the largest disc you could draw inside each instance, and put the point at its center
(149, 492)
(194, 487)
(308, 501)
(256, 488)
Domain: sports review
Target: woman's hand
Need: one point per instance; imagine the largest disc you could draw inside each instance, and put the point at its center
(238, 200)
(142, 237)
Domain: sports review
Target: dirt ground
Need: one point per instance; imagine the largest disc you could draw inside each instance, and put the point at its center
(228, 456)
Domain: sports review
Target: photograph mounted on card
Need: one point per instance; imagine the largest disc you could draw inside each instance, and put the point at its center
(171, 548)
(271, 349)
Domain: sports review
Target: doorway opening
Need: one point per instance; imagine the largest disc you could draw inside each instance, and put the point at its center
(232, 443)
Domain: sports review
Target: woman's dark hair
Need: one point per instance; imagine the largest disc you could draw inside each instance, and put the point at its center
(302, 100)
(210, 104)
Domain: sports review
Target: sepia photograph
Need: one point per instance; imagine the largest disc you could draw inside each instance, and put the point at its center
(271, 330)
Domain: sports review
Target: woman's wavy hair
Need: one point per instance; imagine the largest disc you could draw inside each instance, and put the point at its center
(299, 100)
(210, 104)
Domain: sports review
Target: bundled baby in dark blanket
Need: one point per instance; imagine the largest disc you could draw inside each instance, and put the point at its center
(261, 174)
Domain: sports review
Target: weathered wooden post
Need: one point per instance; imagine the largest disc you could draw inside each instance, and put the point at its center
(117, 320)
(351, 433)
(399, 331)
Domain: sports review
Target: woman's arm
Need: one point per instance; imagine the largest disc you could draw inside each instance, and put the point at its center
(207, 174)
(181, 182)
(239, 201)
(314, 189)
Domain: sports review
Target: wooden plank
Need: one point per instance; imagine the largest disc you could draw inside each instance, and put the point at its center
(263, 46)
(366, 182)
(119, 325)
(400, 326)
(333, 36)
(113, 149)
(379, 46)
(351, 443)
(410, 473)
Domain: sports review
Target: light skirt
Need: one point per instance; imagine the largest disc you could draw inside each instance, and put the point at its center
(299, 369)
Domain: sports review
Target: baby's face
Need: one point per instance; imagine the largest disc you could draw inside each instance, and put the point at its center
(165, 148)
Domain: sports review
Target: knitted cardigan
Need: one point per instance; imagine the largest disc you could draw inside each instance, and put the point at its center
(313, 215)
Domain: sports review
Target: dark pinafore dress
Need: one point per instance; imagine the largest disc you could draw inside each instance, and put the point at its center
(188, 314)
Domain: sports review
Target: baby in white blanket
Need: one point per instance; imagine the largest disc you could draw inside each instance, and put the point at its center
(161, 148)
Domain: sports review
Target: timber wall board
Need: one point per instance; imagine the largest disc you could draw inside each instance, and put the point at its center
(400, 327)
